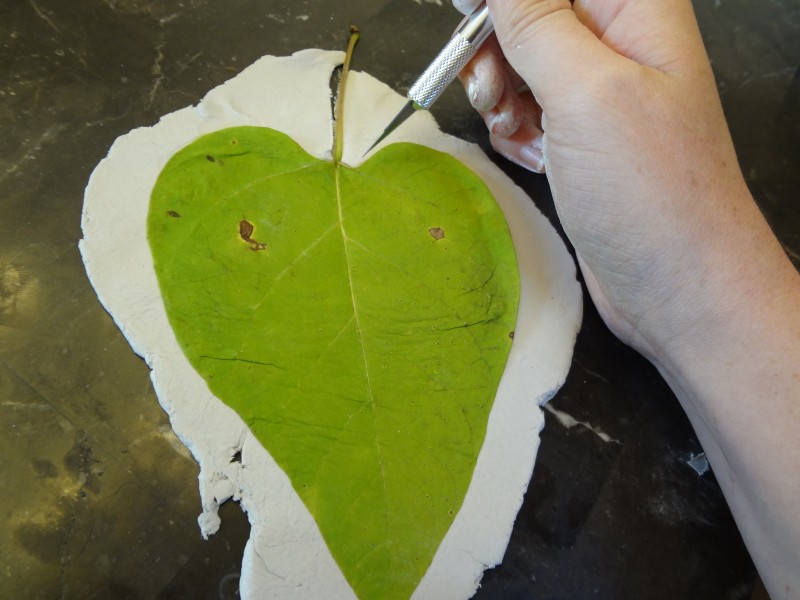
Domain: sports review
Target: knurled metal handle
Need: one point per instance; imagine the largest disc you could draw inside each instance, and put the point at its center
(466, 40)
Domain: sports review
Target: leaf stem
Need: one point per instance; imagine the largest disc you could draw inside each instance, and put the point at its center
(338, 132)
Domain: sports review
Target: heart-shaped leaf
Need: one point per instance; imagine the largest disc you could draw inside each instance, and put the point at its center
(359, 321)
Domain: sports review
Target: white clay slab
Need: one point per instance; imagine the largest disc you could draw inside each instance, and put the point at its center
(286, 556)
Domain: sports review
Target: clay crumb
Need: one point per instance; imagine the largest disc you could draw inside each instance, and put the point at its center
(246, 232)
(436, 233)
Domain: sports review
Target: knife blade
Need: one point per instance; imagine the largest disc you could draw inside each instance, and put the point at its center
(462, 46)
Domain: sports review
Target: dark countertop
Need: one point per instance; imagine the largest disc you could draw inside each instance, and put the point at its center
(100, 499)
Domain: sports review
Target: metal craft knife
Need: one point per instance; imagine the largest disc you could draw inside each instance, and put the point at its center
(466, 40)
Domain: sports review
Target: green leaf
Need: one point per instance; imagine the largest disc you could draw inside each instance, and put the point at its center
(359, 321)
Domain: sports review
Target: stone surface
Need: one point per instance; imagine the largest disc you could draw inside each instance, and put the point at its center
(100, 500)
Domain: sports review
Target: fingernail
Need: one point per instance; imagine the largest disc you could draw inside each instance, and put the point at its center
(493, 120)
(532, 157)
(473, 89)
(501, 122)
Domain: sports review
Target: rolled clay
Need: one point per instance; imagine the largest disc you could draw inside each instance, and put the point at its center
(286, 556)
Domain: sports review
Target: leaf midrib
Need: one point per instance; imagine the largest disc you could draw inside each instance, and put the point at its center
(345, 238)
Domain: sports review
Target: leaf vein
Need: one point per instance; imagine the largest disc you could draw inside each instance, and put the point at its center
(359, 330)
(293, 263)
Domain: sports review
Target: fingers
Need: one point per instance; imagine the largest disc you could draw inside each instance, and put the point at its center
(663, 34)
(506, 116)
(525, 145)
(513, 119)
(543, 39)
(509, 109)
(484, 76)
(533, 33)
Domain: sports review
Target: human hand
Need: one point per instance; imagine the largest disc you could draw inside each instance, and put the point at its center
(622, 112)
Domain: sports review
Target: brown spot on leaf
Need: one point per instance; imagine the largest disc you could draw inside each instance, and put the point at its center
(210, 158)
(174, 214)
(246, 232)
(436, 233)
(511, 335)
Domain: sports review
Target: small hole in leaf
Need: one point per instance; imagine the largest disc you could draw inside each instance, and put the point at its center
(436, 233)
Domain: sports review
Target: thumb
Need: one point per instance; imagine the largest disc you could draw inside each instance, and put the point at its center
(547, 45)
